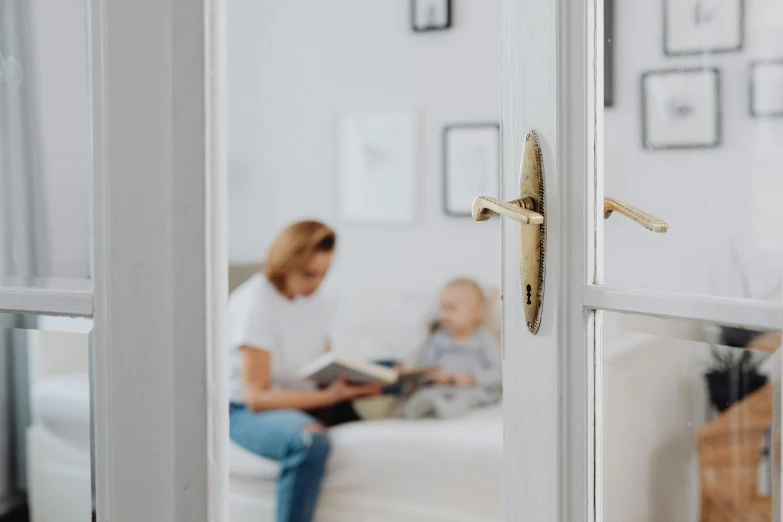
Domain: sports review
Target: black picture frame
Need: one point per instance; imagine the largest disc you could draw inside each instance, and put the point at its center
(608, 53)
(718, 115)
(754, 113)
(431, 28)
(701, 51)
(445, 160)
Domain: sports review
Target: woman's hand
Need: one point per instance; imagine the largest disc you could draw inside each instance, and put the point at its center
(340, 390)
(442, 378)
(463, 379)
(452, 379)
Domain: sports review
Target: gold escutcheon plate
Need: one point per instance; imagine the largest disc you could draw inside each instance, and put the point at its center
(532, 241)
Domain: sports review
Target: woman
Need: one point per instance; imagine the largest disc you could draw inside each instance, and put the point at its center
(284, 328)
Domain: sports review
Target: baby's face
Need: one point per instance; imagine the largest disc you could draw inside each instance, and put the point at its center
(460, 309)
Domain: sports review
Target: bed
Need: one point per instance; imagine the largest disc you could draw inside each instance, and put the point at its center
(380, 471)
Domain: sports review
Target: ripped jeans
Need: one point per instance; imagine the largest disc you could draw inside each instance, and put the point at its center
(280, 435)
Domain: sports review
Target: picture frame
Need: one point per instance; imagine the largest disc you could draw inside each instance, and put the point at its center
(431, 15)
(681, 109)
(765, 86)
(471, 165)
(609, 53)
(377, 168)
(693, 27)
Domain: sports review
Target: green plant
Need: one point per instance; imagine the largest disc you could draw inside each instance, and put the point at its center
(729, 361)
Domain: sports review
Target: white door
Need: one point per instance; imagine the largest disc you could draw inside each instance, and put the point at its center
(146, 99)
(607, 410)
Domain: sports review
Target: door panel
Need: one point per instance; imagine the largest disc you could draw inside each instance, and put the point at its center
(687, 420)
(685, 139)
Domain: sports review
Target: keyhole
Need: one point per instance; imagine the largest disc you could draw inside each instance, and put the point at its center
(529, 291)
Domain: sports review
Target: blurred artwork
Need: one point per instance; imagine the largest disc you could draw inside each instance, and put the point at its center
(377, 167)
(703, 26)
(471, 165)
(680, 109)
(430, 15)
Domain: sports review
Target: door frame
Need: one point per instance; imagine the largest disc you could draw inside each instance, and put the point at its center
(160, 260)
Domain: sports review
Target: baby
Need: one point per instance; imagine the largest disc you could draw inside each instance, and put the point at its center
(465, 353)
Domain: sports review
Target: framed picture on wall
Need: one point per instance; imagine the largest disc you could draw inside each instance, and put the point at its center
(430, 15)
(681, 109)
(471, 165)
(766, 89)
(703, 26)
(377, 167)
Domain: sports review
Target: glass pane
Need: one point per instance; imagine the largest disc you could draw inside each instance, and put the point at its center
(45, 144)
(690, 421)
(693, 135)
(45, 432)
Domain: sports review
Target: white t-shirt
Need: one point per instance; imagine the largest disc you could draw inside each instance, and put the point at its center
(294, 332)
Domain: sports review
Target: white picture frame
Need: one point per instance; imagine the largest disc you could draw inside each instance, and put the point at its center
(430, 15)
(377, 167)
(471, 165)
(766, 89)
(681, 109)
(703, 26)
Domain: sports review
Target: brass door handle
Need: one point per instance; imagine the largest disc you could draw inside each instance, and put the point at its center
(522, 209)
(528, 209)
(646, 220)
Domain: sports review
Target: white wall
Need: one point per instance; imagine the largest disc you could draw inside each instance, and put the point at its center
(712, 199)
(295, 66)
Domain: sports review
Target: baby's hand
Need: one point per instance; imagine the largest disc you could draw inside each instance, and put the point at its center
(444, 379)
(463, 379)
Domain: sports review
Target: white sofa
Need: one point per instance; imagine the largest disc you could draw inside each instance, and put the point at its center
(381, 471)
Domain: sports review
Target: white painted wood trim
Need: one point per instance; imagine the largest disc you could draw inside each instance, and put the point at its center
(159, 247)
(542, 50)
(720, 310)
(48, 297)
(581, 194)
(217, 259)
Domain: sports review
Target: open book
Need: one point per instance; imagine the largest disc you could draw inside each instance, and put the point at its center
(332, 365)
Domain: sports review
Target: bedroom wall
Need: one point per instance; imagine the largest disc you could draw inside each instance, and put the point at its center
(295, 67)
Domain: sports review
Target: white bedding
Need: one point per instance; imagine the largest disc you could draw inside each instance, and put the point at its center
(451, 464)
(454, 464)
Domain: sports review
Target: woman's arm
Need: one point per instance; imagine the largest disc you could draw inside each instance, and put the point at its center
(256, 366)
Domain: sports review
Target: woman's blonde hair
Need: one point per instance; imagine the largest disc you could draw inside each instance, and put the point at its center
(294, 247)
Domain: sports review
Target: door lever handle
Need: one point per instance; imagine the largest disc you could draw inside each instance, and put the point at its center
(646, 220)
(522, 209)
(528, 209)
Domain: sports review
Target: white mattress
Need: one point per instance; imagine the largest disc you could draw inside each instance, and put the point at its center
(454, 464)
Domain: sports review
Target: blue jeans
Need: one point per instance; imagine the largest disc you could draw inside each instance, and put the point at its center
(279, 435)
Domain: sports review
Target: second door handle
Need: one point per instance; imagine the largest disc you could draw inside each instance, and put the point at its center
(523, 210)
